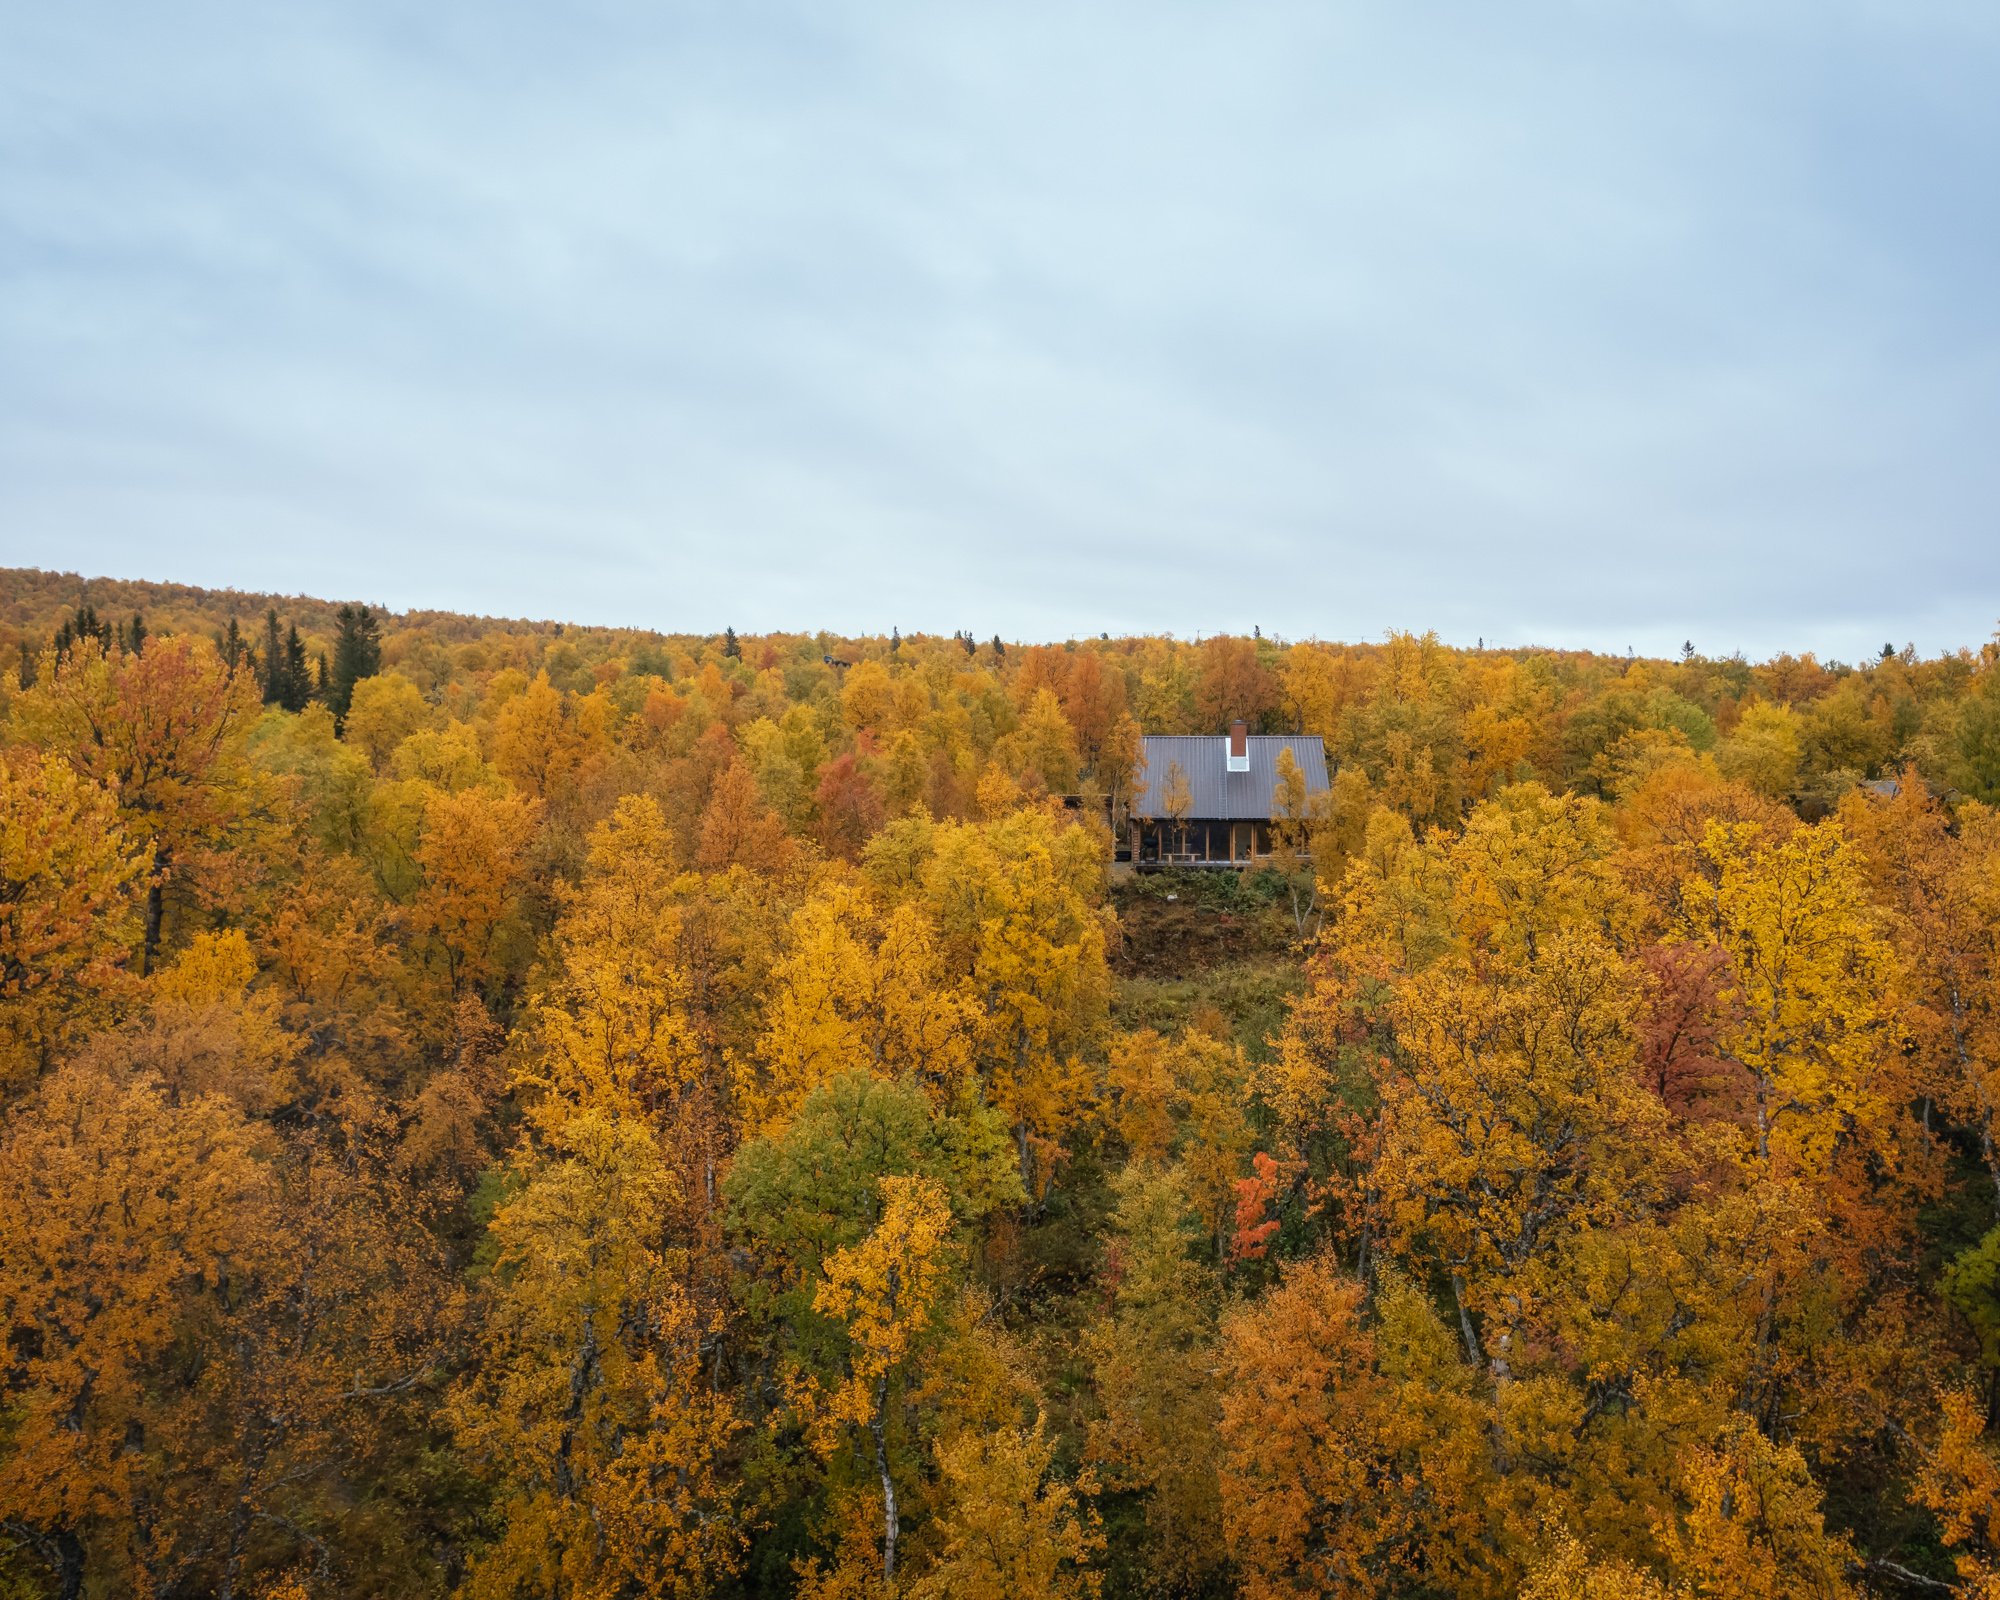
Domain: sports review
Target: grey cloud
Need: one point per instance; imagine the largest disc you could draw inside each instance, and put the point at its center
(1578, 323)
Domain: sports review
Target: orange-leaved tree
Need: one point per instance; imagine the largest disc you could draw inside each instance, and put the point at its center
(69, 890)
(163, 730)
(1353, 1452)
(471, 857)
(134, 1234)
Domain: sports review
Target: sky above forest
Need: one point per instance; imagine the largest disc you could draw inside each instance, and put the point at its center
(1591, 324)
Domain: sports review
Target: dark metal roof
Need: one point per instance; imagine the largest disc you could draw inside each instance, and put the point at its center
(1214, 790)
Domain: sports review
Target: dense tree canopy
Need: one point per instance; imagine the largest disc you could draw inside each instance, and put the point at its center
(550, 1111)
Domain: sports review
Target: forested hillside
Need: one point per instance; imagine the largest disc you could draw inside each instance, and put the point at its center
(517, 1109)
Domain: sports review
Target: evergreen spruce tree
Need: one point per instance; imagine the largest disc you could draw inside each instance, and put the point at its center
(294, 681)
(357, 654)
(274, 660)
(81, 626)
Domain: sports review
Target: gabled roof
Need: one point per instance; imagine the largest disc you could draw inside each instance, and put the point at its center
(1213, 790)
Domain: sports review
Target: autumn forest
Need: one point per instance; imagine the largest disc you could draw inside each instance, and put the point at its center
(507, 1110)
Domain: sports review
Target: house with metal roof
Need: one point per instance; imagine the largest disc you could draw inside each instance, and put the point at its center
(1208, 800)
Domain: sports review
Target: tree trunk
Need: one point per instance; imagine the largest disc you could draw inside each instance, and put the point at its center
(69, 1565)
(1986, 1155)
(251, 1459)
(156, 906)
(1472, 1351)
(582, 1374)
(878, 1430)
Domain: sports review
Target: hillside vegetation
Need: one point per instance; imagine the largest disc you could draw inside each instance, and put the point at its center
(511, 1109)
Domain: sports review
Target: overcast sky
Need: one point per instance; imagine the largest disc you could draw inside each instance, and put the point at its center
(1592, 324)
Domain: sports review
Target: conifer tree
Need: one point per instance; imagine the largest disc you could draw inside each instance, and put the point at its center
(294, 684)
(80, 628)
(274, 659)
(357, 654)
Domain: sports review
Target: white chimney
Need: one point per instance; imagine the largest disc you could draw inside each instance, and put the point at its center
(1239, 746)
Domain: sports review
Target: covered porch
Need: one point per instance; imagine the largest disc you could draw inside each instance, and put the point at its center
(1200, 842)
